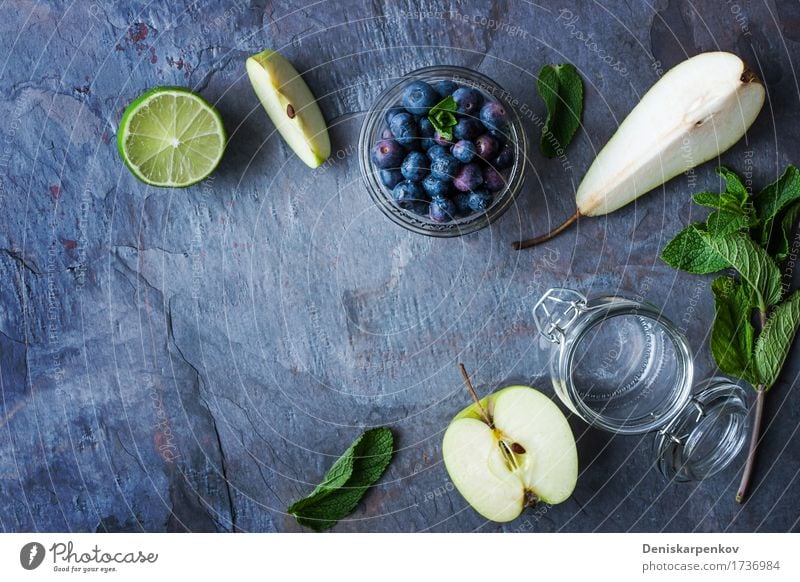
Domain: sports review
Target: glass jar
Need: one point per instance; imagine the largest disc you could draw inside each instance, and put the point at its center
(622, 366)
(374, 124)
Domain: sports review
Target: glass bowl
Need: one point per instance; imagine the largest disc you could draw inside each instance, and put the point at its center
(375, 123)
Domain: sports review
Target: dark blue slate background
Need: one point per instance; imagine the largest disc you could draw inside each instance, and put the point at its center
(195, 359)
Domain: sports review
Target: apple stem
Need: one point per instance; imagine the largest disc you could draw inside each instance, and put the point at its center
(524, 244)
(486, 418)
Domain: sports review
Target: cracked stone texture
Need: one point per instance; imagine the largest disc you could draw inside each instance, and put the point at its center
(195, 359)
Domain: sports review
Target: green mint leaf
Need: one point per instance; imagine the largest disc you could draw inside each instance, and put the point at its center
(773, 199)
(357, 469)
(755, 266)
(734, 189)
(447, 104)
(561, 88)
(722, 223)
(709, 199)
(775, 340)
(442, 116)
(445, 119)
(723, 202)
(732, 334)
(733, 200)
(689, 251)
(780, 249)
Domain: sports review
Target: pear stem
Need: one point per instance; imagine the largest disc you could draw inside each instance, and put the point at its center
(524, 244)
(486, 418)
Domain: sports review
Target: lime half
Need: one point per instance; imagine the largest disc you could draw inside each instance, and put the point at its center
(171, 137)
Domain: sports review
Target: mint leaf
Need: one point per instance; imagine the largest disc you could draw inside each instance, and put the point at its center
(710, 199)
(357, 469)
(775, 340)
(733, 200)
(753, 263)
(780, 249)
(561, 88)
(442, 116)
(774, 198)
(689, 251)
(732, 333)
(724, 202)
(722, 223)
(735, 191)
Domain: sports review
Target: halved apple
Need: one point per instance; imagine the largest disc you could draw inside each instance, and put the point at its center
(524, 454)
(291, 106)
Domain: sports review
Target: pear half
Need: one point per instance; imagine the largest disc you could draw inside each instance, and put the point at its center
(696, 111)
(527, 454)
(290, 105)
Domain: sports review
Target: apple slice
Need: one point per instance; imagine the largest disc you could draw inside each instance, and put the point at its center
(696, 111)
(291, 106)
(510, 450)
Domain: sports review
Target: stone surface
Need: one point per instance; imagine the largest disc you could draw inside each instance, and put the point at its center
(195, 359)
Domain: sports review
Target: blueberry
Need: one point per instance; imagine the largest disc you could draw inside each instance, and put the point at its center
(461, 200)
(415, 166)
(468, 178)
(493, 115)
(386, 133)
(468, 101)
(435, 188)
(444, 88)
(442, 210)
(426, 132)
(505, 158)
(391, 177)
(420, 208)
(500, 134)
(492, 179)
(387, 153)
(486, 146)
(468, 128)
(464, 151)
(404, 128)
(419, 97)
(441, 140)
(436, 151)
(444, 167)
(479, 200)
(408, 194)
(391, 112)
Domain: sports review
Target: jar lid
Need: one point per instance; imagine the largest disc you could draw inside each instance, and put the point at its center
(706, 435)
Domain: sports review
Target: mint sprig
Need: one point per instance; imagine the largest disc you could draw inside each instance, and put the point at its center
(561, 88)
(443, 117)
(359, 467)
(749, 234)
